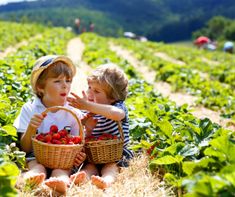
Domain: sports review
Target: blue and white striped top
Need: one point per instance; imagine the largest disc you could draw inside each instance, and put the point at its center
(109, 126)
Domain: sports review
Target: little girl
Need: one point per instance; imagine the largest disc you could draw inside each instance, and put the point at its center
(51, 80)
(104, 106)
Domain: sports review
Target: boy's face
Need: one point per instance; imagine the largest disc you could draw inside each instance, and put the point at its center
(55, 91)
(97, 94)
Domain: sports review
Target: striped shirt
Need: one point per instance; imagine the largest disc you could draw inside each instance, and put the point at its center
(109, 126)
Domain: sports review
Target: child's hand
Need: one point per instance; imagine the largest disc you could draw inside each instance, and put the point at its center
(77, 101)
(80, 158)
(89, 122)
(36, 120)
(86, 117)
(84, 95)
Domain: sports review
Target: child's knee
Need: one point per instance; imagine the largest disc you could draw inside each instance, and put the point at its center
(90, 166)
(60, 172)
(110, 167)
(34, 164)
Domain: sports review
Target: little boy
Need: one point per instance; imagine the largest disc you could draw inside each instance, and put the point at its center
(104, 105)
(51, 80)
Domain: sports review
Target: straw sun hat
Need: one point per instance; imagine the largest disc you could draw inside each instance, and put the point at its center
(44, 62)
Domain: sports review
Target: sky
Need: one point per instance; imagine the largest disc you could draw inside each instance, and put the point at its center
(2, 2)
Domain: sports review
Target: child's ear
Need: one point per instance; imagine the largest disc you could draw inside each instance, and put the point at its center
(40, 89)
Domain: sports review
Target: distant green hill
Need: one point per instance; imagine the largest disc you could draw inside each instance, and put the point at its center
(166, 20)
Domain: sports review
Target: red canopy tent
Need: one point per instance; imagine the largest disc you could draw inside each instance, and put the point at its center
(202, 40)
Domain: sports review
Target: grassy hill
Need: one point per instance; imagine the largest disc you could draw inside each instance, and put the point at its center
(165, 20)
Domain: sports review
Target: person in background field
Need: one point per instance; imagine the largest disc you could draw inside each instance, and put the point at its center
(104, 106)
(77, 23)
(51, 80)
(91, 26)
(228, 47)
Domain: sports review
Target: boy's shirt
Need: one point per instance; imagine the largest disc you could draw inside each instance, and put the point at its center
(61, 118)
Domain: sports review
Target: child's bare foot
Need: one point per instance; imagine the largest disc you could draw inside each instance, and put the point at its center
(34, 180)
(78, 178)
(57, 184)
(100, 182)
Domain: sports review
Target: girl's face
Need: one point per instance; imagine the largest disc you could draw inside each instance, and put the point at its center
(97, 94)
(56, 91)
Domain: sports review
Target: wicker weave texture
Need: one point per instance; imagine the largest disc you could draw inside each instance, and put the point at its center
(55, 156)
(58, 156)
(104, 151)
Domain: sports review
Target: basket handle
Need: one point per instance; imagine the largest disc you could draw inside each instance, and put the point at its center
(81, 132)
(120, 130)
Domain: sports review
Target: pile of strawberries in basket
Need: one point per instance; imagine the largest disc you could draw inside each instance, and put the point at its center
(54, 136)
(105, 136)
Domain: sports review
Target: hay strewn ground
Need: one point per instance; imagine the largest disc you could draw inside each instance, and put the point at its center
(134, 181)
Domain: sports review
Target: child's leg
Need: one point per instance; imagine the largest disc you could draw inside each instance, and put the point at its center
(59, 180)
(85, 173)
(36, 173)
(109, 173)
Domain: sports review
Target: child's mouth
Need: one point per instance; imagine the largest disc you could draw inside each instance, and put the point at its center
(63, 94)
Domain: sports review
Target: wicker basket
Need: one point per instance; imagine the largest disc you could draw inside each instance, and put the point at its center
(57, 156)
(105, 151)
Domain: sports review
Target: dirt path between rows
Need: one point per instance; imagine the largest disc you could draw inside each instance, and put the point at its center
(165, 88)
(168, 58)
(75, 50)
(134, 181)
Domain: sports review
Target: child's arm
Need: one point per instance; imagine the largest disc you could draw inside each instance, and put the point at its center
(26, 141)
(109, 111)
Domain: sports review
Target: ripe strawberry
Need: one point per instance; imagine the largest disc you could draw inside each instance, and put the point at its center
(115, 137)
(40, 137)
(54, 141)
(77, 140)
(63, 140)
(63, 133)
(53, 128)
(48, 138)
(56, 136)
(107, 136)
(90, 138)
(102, 138)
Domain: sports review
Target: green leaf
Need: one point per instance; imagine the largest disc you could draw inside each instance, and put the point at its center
(10, 130)
(174, 148)
(166, 127)
(166, 160)
(172, 179)
(189, 150)
(190, 167)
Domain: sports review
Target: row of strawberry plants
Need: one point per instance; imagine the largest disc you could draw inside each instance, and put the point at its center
(218, 65)
(12, 33)
(190, 151)
(14, 82)
(195, 156)
(211, 93)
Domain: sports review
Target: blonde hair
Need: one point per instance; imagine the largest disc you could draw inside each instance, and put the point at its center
(112, 79)
(53, 71)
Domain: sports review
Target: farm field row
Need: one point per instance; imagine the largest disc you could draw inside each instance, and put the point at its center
(192, 153)
(183, 145)
(211, 93)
